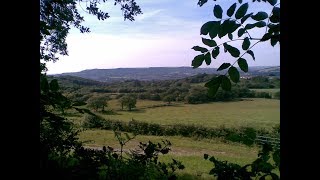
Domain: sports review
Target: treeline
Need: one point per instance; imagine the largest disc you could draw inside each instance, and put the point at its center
(244, 135)
(189, 90)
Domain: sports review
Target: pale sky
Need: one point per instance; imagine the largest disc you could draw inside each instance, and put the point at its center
(161, 37)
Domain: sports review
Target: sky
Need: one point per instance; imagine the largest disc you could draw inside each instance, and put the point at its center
(160, 37)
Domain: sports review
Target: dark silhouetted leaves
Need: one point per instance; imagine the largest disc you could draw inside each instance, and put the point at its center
(215, 52)
(207, 58)
(202, 2)
(213, 85)
(234, 74)
(242, 11)
(201, 49)
(275, 17)
(212, 91)
(240, 1)
(260, 16)
(197, 61)
(245, 17)
(231, 9)
(206, 27)
(223, 66)
(215, 28)
(260, 24)
(274, 40)
(272, 2)
(225, 27)
(217, 11)
(266, 37)
(241, 32)
(243, 64)
(232, 50)
(252, 54)
(225, 83)
(246, 43)
(250, 26)
(230, 36)
(209, 42)
(213, 81)
(276, 11)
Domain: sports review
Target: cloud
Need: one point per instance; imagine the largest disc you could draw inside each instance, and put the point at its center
(149, 14)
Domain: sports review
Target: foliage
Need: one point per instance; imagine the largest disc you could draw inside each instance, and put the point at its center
(244, 135)
(238, 14)
(260, 168)
(128, 101)
(97, 102)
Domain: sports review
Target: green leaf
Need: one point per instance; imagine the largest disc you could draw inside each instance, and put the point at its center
(213, 81)
(234, 74)
(209, 42)
(225, 27)
(223, 66)
(241, 11)
(201, 49)
(215, 28)
(213, 85)
(232, 50)
(276, 11)
(246, 43)
(245, 17)
(252, 54)
(260, 24)
(266, 37)
(217, 11)
(241, 32)
(274, 19)
(54, 86)
(197, 61)
(249, 26)
(206, 27)
(274, 41)
(230, 36)
(243, 64)
(260, 16)
(207, 58)
(215, 52)
(225, 83)
(205, 156)
(274, 176)
(212, 91)
(231, 9)
(272, 2)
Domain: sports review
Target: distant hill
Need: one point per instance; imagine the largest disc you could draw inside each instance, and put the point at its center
(159, 73)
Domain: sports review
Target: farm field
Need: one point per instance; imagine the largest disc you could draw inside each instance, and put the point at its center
(256, 112)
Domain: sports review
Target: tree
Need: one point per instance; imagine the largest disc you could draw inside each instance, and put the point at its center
(169, 98)
(128, 101)
(97, 102)
(269, 23)
(58, 135)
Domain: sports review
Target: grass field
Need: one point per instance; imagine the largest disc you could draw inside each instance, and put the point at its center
(258, 113)
(266, 90)
(188, 150)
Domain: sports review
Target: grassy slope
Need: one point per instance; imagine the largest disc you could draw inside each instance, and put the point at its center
(259, 113)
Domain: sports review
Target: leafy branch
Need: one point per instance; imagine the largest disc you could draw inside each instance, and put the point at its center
(228, 26)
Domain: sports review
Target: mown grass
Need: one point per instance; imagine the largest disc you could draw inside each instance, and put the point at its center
(255, 112)
(188, 150)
